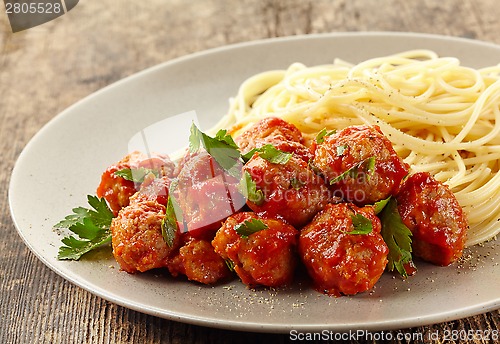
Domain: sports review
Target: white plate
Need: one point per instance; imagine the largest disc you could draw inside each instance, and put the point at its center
(63, 162)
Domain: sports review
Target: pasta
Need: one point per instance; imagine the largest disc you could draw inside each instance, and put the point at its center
(442, 117)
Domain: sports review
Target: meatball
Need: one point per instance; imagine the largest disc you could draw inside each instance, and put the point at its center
(435, 218)
(206, 194)
(338, 261)
(265, 128)
(266, 257)
(291, 191)
(153, 189)
(117, 190)
(360, 164)
(137, 240)
(199, 262)
(277, 132)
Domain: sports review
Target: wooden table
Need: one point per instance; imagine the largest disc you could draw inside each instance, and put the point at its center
(45, 69)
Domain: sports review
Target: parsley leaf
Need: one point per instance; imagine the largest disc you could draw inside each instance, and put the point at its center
(248, 188)
(367, 165)
(221, 147)
(320, 137)
(223, 136)
(397, 237)
(230, 264)
(136, 175)
(380, 205)
(169, 224)
(249, 227)
(78, 215)
(341, 149)
(370, 166)
(361, 224)
(314, 168)
(90, 225)
(296, 183)
(270, 153)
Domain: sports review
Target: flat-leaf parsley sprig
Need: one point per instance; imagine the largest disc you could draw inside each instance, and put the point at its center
(91, 227)
(398, 238)
(221, 147)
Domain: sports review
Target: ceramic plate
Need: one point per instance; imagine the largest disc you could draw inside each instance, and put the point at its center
(63, 163)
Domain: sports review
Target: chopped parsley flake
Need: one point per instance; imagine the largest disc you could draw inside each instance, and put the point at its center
(320, 137)
(269, 153)
(136, 175)
(248, 227)
(367, 165)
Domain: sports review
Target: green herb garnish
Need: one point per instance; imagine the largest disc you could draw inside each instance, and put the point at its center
(296, 183)
(269, 153)
(320, 137)
(221, 147)
(361, 224)
(136, 175)
(380, 205)
(249, 227)
(91, 227)
(230, 264)
(248, 188)
(367, 166)
(169, 224)
(397, 237)
(341, 149)
(370, 166)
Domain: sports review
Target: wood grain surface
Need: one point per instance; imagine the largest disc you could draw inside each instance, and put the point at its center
(45, 69)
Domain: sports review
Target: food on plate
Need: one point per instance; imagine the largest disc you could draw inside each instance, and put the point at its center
(262, 251)
(343, 250)
(442, 117)
(290, 190)
(199, 262)
(116, 190)
(360, 163)
(433, 215)
(348, 170)
(205, 194)
(276, 132)
(137, 240)
(195, 222)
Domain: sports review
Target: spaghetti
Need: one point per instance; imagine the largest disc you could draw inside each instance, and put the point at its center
(442, 117)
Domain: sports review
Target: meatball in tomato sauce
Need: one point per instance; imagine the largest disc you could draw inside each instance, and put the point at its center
(153, 189)
(206, 194)
(343, 250)
(435, 218)
(137, 240)
(291, 191)
(117, 190)
(198, 261)
(360, 164)
(277, 132)
(266, 257)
